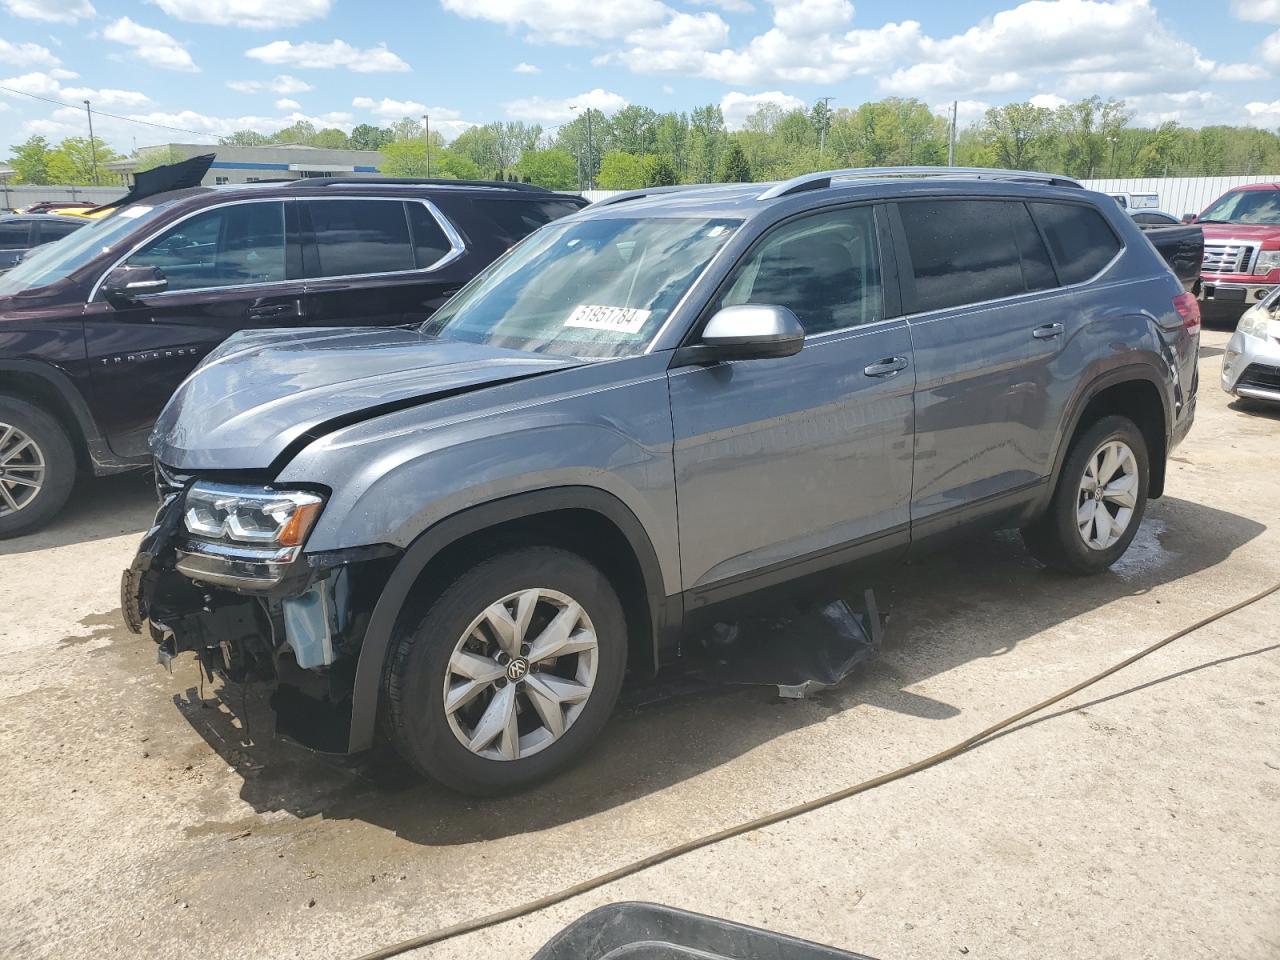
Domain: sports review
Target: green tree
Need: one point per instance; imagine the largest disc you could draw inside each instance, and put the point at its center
(302, 132)
(368, 137)
(330, 138)
(635, 130)
(406, 128)
(706, 141)
(245, 138)
(733, 167)
(149, 159)
(659, 171)
(621, 171)
(552, 168)
(1017, 134)
(671, 140)
(72, 161)
(30, 160)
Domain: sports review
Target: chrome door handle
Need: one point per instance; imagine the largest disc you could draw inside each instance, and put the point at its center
(886, 367)
(1048, 331)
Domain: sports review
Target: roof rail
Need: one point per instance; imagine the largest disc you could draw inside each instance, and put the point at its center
(316, 182)
(657, 191)
(821, 180)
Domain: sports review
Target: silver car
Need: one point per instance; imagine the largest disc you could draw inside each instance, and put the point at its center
(1251, 363)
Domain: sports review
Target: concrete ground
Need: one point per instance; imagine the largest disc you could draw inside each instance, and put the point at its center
(1138, 820)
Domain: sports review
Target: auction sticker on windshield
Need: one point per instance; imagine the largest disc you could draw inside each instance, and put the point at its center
(615, 319)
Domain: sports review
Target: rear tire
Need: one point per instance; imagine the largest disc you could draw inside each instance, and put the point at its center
(1085, 531)
(37, 467)
(508, 721)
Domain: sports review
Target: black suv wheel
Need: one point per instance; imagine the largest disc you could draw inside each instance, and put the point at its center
(1099, 500)
(37, 466)
(513, 670)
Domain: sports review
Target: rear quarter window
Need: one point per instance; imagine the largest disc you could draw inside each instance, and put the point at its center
(510, 220)
(1081, 240)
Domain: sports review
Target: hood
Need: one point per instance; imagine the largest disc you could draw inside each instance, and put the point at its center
(262, 392)
(1241, 231)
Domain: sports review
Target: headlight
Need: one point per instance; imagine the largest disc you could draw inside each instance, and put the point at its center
(251, 515)
(1256, 321)
(1268, 260)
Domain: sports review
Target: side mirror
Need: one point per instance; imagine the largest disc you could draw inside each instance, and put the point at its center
(125, 284)
(746, 332)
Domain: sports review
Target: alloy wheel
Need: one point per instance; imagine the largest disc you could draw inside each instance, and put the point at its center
(1108, 495)
(521, 674)
(22, 470)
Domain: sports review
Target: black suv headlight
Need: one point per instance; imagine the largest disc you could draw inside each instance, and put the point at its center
(244, 536)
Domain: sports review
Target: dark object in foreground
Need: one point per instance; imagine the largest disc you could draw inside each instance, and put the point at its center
(649, 931)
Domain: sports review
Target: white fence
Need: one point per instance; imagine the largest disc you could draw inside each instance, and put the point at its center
(21, 195)
(1178, 195)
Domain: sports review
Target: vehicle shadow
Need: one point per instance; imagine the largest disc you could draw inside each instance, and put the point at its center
(100, 507)
(980, 599)
(1255, 408)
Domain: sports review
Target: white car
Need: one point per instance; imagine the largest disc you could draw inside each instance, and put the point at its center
(1251, 363)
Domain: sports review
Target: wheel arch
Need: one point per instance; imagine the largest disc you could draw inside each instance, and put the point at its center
(1135, 391)
(53, 391)
(600, 526)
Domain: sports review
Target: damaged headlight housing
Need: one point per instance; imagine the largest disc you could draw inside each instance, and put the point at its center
(254, 516)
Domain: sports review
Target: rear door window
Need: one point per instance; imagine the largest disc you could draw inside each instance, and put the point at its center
(241, 243)
(510, 220)
(13, 235)
(825, 268)
(964, 251)
(56, 230)
(354, 237)
(1079, 237)
(430, 244)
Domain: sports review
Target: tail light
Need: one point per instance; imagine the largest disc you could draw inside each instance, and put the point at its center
(1188, 308)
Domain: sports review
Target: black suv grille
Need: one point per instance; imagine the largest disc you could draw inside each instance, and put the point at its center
(1260, 375)
(168, 480)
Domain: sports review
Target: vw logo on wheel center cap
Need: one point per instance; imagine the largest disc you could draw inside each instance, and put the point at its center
(517, 668)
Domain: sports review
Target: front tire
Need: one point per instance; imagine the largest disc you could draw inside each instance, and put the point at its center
(1098, 503)
(510, 674)
(37, 467)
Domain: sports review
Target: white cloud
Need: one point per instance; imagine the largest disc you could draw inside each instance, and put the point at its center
(49, 84)
(736, 107)
(1109, 47)
(967, 111)
(677, 46)
(284, 103)
(335, 53)
(1262, 11)
(258, 14)
(283, 84)
(728, 6)
(27, 54)
(1271, 49)
(543, 110)
(807, 18)
(1239, 72)
(1265, 115)
(51, 11)
(1050, 101)
(151, 46)
(393, 109)
(1192, 108)
(526, 68)
(565, 21)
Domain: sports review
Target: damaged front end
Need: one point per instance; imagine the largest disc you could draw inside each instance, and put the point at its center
(222, 574)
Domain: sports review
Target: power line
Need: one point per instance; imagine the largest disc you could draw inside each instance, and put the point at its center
(114, 116)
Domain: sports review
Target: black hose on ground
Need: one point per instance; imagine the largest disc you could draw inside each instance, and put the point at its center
(662, 856)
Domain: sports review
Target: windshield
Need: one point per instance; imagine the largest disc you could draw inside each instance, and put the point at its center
(1245, 206)
(594, 288)
(58, 260)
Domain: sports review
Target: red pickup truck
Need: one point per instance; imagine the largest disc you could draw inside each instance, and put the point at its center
(1241, 250)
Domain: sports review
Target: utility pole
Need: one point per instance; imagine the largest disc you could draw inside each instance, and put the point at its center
(426, 126)
(93, 144)
(951, 143)
(826, 122)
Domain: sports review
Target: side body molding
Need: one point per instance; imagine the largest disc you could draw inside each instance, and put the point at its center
(665, 614)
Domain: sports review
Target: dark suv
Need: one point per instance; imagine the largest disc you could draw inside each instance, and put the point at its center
(98, 330)
(669, 400)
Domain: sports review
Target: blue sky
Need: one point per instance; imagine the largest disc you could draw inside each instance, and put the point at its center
(213, 66)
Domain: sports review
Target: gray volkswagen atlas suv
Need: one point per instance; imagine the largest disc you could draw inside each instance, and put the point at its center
(461, 535)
